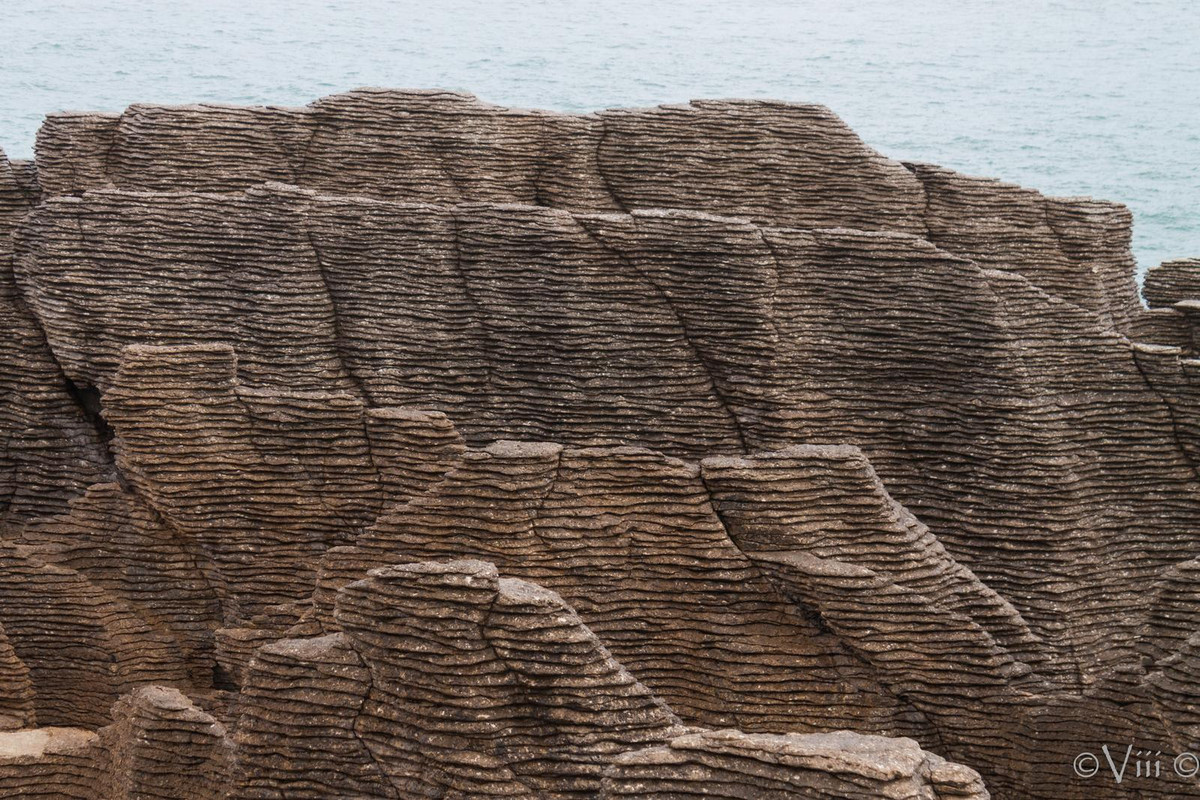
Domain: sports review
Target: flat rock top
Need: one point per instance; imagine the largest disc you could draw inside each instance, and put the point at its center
(878, 757)
(36, 742)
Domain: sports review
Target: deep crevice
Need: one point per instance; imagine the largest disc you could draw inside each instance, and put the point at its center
(88, 399)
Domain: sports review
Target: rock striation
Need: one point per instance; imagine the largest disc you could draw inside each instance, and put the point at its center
(51, 452)
(407, 446)
(732, 763)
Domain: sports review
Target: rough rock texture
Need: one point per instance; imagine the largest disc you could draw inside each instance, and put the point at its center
(449, 682)
(159, 746)
(16, 689)
(51, 451)
(1172, 282)
(468, 685)
(82, 646)
(630, 539)
(825, 766)
(770, 437)
(48, 763)
(771, 162)
(681, 331)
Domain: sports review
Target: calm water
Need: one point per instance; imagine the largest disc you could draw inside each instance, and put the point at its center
(1071, 97)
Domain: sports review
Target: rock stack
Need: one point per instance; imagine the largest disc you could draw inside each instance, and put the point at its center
(406, 446)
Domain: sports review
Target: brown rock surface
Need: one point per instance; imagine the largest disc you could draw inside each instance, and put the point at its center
(48, 764)
(824, 766)
(159, 746)
(1172, 282)
(685, 332)
(767, 434)
(51, 452)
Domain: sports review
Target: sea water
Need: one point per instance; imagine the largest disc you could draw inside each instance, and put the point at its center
(1076, 97)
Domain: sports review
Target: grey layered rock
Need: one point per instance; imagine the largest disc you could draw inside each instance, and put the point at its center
(825, 766)
(764, 431)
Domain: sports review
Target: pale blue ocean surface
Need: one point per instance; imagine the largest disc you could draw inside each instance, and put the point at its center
(1071, 97)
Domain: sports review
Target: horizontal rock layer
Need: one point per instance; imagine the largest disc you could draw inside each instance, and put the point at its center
(451, 682)
(52, 451)
(996, 413)
(731, 763)
(794, 439)
(771, 162)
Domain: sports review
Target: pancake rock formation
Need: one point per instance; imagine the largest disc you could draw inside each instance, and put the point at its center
(406, 446)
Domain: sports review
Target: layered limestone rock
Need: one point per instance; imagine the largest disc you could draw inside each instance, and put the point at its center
(1168, 349)
(159, 746)
(52, 451)
(16, 689)
(449, 681)
(123, 548)
(489, 655)
(1172, 282)
(843, 765)
(770, 436)
(47, 763)
(772, 162)
(681, 331)
(629, 537)
(83, 647)
(800, 596)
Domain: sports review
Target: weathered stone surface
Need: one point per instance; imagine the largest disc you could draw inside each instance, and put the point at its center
(1076, 249)
(1168, 346)
(82, 645)
(630, 539)
(758, 159)
(122, 547)
(685, 332)
(772, 162)
(16, 689)
(159, 746)
(826, 766)
(785, 436)
(1172, 282)
(1174, 372)
(449, 681)
(263, 509)
(51, 452)
(48, 764)
(498, 656)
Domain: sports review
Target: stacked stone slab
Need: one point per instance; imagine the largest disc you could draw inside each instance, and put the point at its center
(48, 764)
(999, 414)
(799, 594)
(159, 746)
(51, 450)
(82, 646)
(1168, 349)
(16, 689)
(821, 766)
(1172, 282)
(629, 537)
(499, 655)
(121, 547)
(795, 437)
(452, 682)
(772, 162)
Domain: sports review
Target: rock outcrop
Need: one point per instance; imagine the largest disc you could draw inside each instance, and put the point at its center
(451, 682)
(51, 451)
(407, 446)
(158, 745)
(735, 764)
